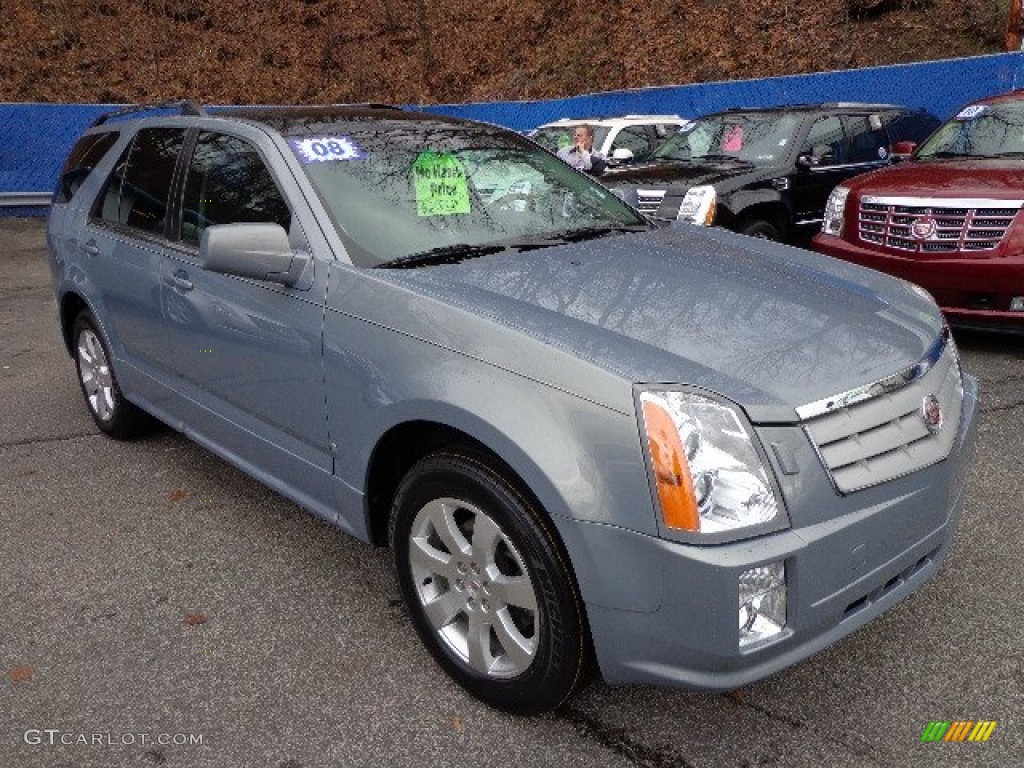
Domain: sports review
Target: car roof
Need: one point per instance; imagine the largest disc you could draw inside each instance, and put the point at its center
(831, 107)
(1014, 95)
(286, 119)
(619, 119)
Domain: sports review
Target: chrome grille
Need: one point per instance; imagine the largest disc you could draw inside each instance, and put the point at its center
(878, 433)
(649, 200)
(959, 225)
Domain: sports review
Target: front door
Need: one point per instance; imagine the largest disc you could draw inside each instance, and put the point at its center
(246, 353)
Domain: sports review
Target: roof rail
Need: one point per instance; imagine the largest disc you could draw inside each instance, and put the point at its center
(187, 107)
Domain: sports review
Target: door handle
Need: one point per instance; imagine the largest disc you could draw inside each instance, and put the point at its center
(179, 280)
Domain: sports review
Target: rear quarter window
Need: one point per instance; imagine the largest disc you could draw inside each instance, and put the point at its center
(84, 157)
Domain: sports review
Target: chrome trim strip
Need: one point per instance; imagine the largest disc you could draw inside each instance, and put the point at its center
(868, 164)
(941, 202)
(19, 199)
(877, 388)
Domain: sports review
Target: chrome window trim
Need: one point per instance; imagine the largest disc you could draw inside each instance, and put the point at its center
(877, 388)
(847, 166)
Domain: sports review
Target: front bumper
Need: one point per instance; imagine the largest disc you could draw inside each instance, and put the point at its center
(682, 627)
(971, 291)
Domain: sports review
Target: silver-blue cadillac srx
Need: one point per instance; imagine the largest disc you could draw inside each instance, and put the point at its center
(697, 456)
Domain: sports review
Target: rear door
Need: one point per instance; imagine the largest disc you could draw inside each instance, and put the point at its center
(121, 250)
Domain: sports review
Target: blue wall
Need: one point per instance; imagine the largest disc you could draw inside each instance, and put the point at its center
(35, 138)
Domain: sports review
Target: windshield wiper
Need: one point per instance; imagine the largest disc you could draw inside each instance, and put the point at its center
(453, 254)
(996, 155)
(721, 158)
(944, 154)
(445, 254)
(592, 233)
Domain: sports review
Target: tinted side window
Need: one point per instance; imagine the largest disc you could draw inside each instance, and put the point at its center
(634, 138)
(826, 135)
(663, 130)
(869, 142)
(228, 183)
(137, 190)
(910, 126)
(87, 152)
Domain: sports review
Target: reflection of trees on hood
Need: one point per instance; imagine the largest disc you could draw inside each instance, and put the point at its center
(721, 307)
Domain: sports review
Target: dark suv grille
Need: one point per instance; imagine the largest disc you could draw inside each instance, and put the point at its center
(935, 226)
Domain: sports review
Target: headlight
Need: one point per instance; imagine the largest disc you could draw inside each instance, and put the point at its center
(708, 475)
(834, 209)
(698, 206)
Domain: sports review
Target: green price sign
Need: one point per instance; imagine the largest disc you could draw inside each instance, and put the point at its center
(440, 184)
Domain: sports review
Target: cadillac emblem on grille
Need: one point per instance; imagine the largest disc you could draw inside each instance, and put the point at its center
(923, 228)
(931, 413)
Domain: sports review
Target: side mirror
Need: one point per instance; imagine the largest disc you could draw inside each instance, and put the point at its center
(258, 251)
(902, 150)
(622, 155)
(820, 154)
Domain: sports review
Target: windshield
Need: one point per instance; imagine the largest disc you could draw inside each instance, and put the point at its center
(980, 130)
(756, 138)
(395, 188)
(554, 138)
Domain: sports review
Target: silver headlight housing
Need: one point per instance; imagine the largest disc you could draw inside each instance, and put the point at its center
(698, 206)
(708, 475)
(835, 208)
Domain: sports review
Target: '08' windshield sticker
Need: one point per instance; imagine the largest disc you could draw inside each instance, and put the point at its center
(969, 113)
(325, 149)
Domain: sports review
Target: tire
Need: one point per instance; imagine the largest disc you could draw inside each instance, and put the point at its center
(762, 230)
(489, 592)
(113, 414)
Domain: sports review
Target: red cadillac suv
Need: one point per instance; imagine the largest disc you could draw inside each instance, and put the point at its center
(948, 219)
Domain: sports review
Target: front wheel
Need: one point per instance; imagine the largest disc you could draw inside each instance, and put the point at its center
(113, 414)
(762, 230)
(489, 592)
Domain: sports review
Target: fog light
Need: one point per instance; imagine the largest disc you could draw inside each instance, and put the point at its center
(762, 603)
(1017, 304)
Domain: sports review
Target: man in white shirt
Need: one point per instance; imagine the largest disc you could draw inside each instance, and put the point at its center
(581, 154)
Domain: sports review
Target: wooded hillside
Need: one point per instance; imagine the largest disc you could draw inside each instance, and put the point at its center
(429, 51)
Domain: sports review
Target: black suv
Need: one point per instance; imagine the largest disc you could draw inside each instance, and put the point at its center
(767, 172)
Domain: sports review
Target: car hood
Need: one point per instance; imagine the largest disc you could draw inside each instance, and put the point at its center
(766, 326)
(993, 179)
(683, 175)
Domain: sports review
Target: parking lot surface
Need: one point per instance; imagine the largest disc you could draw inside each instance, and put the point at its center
(158, 607)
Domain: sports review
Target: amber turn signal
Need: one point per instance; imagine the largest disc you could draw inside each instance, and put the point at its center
(671, 470)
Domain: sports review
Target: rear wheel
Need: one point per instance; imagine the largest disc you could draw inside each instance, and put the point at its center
(112, 413)
(763, 230)
(487, 587)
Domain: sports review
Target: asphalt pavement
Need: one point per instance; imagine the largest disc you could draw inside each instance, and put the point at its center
(158, 607)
